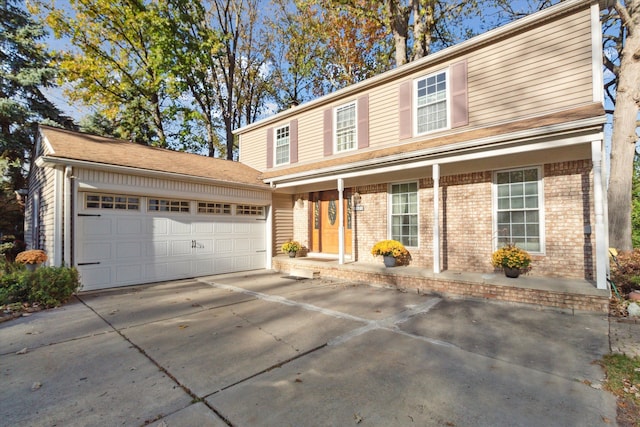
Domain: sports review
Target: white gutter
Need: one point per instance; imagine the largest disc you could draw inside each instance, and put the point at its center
(413, 66)
(43, 161)
(510, 149)
(510, 138)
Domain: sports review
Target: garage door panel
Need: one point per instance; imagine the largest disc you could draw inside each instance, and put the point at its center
(223, 228)
(203, 228)
(180, 228)
(128, 273)
(242, 228)
(94, 251)
(96, 226)
(157, 249)
(204, 247)
(223, 246)
(94, 277)
(204, 267)
(158, 226)
(130, 226)
(128, 250)
(242, 245)
(224, 264)
(180, 247)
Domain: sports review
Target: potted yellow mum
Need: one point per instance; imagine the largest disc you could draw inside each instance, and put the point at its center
(31, 258)
(291, 247)
(512, 260)
(390, 250)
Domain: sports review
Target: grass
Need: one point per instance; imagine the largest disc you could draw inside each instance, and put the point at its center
(623, 380)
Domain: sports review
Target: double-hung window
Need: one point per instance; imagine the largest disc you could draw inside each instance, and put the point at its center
(431, 103)
(519, 208)
(404, 213)
(345, 128)
(282, 145)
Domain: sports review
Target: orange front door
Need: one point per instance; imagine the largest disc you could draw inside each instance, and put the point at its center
(325, 223)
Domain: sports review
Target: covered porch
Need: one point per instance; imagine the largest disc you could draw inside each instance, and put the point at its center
(569, 294)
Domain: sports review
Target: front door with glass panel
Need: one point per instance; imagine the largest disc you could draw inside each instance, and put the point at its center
(325, 222)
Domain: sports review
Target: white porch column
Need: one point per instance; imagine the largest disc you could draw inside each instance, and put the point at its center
(436, 218)
(55, 258)
(269, 237)
(601, 249)
(340, 221)
(68, 212)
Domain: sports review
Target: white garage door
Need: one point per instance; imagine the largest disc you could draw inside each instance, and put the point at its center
(148, 240)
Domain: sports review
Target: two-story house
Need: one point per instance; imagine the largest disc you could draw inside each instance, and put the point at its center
(497, 139)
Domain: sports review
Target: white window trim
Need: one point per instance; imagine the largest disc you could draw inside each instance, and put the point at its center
(390, 208)
(275, 145)
(541, 208)
(335, 127)
(414, 100)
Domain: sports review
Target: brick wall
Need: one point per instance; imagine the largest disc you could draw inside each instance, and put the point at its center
(466, 222)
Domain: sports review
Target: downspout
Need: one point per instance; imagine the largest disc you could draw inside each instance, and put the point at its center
(340, 221)
(68, 233)
(436, 218)
(602, 254)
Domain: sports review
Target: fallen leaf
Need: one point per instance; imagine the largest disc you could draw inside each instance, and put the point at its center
(23, 351)
(36, 385)
(358, 418)
(183, 326)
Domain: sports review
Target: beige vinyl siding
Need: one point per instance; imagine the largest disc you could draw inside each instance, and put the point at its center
(133, 184)
(282, 220)
(539, 70)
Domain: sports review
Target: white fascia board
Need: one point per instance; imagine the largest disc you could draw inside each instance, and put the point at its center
(44, 161)
(510, 138)
(497, 151)
(411, 67)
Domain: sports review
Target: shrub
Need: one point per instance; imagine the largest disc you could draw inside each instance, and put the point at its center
(14, 287)
(51, 286)
(47, 286)
(625, 270)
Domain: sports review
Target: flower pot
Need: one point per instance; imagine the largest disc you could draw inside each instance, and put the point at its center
(511, 272)
(389, 261)
(292, 254)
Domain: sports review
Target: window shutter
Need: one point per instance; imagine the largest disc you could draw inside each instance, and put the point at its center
(269, 148)
(363, 121)
(328, 132)
(293, 141)
(404, 110)
(459, 102)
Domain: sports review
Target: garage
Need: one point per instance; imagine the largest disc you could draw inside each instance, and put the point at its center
(124, 239)
(127, 214)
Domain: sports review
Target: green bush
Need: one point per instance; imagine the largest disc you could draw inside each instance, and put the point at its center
(51, 286)
(625, 271)
(47, 286)
(14, 287)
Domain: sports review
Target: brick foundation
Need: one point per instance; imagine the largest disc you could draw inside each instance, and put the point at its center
(447, 286)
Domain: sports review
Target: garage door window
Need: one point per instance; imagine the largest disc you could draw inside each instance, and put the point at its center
(112, 201)
(250, 210)
(214, 208)
(166, 205)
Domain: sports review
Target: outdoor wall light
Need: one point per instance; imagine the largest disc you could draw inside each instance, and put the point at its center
(356, 198)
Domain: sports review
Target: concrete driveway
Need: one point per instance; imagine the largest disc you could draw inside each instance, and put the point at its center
(264, 350)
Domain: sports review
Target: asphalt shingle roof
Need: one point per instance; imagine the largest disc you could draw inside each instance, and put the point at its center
(110, 151)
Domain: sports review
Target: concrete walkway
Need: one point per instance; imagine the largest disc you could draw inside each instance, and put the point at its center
(265, 350)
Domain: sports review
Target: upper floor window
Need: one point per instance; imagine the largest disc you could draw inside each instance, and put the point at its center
(518, 215)
(345, 127)
(404, 213)
(431, 103)
(282, 145)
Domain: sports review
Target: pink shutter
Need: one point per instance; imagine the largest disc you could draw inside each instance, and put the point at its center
(363, 121)
(328, 132)
(459, 102)
(404, 110)
(269, 148)
(293, 141)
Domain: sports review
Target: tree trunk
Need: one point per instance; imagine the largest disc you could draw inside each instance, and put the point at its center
(398, 19)
(624, 136)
